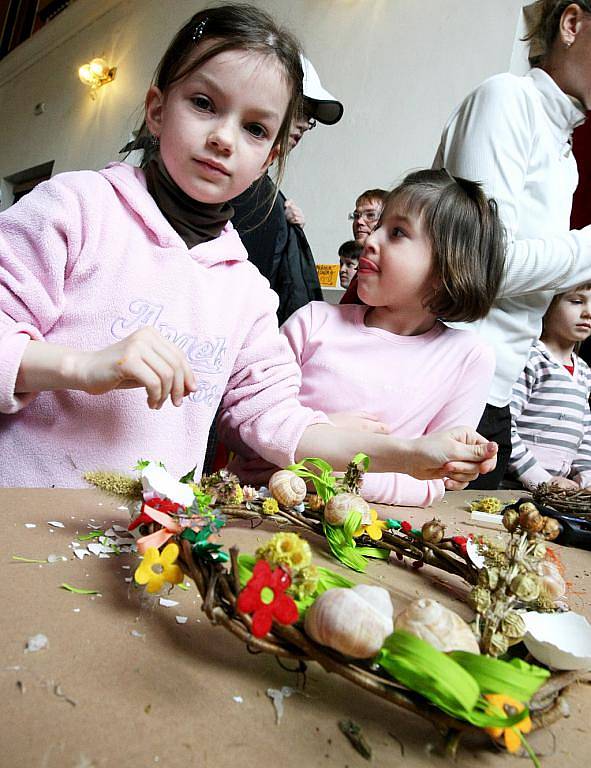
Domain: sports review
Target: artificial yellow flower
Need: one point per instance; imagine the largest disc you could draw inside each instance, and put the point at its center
(238, 496)
(270, 507)
(508, 706)
(373, 529)
(490, 504)
(286, 549)
(159, 567)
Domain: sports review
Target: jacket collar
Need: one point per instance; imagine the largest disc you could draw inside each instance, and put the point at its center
(564, 112)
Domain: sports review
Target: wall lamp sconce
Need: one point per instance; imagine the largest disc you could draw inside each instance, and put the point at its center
(96, 74)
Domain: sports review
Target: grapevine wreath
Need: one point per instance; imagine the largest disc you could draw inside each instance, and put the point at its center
(427, 660)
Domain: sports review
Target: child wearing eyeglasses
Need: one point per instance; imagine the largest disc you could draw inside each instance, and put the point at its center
(438, 254)
(366, 215)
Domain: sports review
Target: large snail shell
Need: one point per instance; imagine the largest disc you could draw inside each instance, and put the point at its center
(339, 507)
(551, 581)
(287, 488)
(439, 626)
(353, 621)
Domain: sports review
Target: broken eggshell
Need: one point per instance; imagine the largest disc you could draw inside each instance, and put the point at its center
(558, 640)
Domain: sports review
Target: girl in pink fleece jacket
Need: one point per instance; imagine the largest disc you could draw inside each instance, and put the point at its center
(438, 252)
(132, 281)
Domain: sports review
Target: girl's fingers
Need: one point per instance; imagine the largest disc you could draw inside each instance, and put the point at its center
(183, 377)
(177, 391)
(165, 374)
(462, 471)
(143, 375)
(453, 485)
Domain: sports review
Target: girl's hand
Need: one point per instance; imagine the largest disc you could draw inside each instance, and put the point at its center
(294, 213)
(459, 455)
(363, 422)
(143, 359)
(564, 483)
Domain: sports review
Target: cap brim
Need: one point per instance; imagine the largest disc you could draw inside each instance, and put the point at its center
(326, 112)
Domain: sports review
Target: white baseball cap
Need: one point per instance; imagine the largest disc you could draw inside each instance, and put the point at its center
(324, 107)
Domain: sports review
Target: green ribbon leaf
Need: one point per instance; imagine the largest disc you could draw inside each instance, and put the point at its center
(422, 668)
(361, 458)
(514, 678)
(324, 482)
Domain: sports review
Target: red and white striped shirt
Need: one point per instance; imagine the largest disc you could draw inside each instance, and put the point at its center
(551, 420)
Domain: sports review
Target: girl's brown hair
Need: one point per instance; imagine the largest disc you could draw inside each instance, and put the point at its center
(467, 240)
(229, 28)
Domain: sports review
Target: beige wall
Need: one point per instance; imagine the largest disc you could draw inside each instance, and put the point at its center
(399, 66)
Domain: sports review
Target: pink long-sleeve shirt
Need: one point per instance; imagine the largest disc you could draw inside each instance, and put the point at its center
(86, 259)
(413, 384)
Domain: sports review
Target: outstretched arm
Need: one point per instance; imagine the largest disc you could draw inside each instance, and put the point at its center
(460, 454)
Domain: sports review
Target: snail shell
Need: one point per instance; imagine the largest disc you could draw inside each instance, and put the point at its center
(287, 488)
(353, 621)
(439, 626)
(339, 507)
(551, 581)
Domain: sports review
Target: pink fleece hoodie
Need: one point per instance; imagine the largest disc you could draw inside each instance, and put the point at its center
(413, 384)
(86, 259)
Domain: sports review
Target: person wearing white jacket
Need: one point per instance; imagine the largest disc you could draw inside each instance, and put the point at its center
(513, 134)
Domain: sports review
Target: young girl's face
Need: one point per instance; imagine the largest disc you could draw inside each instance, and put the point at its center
(396, 266)
(217, 127)
(569, 319)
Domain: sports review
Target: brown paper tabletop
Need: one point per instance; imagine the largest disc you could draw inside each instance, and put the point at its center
(123, 684)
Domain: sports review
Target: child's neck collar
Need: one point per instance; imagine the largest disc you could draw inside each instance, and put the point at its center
(194, 221)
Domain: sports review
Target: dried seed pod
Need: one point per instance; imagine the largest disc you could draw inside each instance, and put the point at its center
(339, 507)
(527, 506)
(488, 577)
(353, 621)
(525, 586)
(511, 519)
(551, 529)
(479, 599)
(513, 626)
(314, 502)
(499, 644)
(539, 550)
(530, 519)
(287, 488)
(433, 531)
(439, 626)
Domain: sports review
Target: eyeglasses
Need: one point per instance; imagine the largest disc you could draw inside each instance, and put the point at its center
(311, 123)
(370, 216)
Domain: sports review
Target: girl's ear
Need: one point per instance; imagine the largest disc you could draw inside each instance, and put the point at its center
(154, 110)
(273, 155)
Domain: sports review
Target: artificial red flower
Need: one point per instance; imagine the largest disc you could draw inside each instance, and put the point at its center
(264, 596)
(406, 526)
(461, 542)
(162, 505)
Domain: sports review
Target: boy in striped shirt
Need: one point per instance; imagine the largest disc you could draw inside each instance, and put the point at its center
(550, 416)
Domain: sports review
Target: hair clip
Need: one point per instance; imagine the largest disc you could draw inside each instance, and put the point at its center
(198, 31)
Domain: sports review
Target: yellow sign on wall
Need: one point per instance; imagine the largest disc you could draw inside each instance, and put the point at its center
(328, 274)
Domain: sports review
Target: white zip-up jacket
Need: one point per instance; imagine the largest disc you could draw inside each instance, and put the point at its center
(513, 134)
